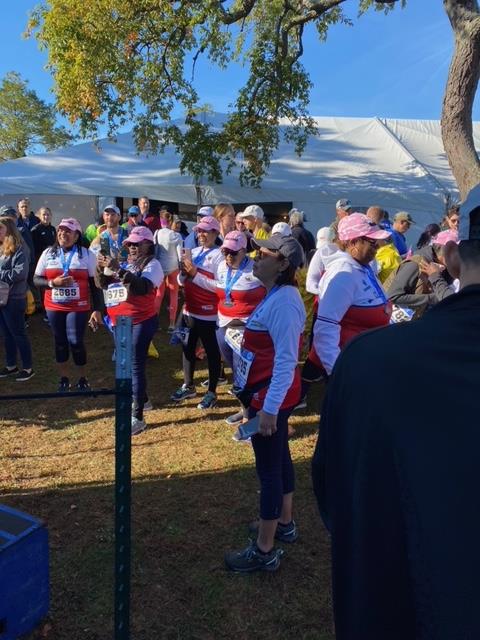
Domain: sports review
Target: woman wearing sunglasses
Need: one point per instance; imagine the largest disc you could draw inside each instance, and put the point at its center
(130, 291)
(238, 292)
(350, 297)
(271, 387)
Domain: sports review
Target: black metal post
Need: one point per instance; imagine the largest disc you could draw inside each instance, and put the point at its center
(123, 475)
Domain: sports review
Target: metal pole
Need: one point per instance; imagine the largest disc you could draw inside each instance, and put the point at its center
(123, 476)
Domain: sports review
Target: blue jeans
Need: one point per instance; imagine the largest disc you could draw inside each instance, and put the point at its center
(142, 334)
(12, 326)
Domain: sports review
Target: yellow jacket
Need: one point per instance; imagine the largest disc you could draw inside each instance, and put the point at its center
(388, 260)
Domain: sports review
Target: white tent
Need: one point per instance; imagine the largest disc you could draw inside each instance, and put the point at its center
(398, 164)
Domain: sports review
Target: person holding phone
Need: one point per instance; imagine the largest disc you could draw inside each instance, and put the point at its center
(129, 290)
(271, 387)
(200, 312)
(66, 273)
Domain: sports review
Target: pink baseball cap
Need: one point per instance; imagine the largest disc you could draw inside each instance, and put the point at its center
(70, 223)
(139, 234)
(235, 240)
(207, 223)
(446, 236)
(357, 225)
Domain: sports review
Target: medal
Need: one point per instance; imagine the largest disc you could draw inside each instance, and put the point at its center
(228, 303)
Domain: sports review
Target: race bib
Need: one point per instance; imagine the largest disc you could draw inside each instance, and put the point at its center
(234, 337)
(401, 314)
(115, 294)
(243, 362)
(61, 295)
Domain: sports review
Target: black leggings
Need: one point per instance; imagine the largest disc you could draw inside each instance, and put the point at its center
(205, 330)
(274, 466)
(68, 329)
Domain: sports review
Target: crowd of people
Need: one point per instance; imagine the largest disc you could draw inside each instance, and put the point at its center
(241, 303)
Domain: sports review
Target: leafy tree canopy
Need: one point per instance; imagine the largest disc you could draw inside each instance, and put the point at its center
(26, 121)
(121, 61)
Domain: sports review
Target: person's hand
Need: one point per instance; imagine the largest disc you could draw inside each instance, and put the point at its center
(107, 262)
(95, 320)
(188, 268)
(63, 281)
(267, 423)
(430, 268)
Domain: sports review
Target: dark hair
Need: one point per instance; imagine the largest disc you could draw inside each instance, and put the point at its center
(430, 231)
(78, 243)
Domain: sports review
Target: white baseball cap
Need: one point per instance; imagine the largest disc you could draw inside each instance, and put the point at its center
(282, 228)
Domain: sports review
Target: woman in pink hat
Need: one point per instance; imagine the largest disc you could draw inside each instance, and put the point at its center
(200, 313)
(66, 272)
(238, 292)
(350, 297)
(129, 290)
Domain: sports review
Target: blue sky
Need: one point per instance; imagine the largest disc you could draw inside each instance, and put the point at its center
(391, 66)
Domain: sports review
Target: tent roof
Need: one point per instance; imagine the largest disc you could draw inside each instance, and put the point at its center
(396, 163)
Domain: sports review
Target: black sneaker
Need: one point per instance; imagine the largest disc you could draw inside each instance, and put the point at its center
(82, 385)
(252, 559)
(5, 372)
(24, 375)
(284, 533)
(64, 385)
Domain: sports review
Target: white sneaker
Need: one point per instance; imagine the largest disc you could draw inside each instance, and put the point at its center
(138, 426)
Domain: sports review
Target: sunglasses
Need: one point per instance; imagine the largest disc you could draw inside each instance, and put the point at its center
(229, 252)
(132, 244)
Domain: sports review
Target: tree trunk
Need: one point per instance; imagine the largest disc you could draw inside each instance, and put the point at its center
(456, 123)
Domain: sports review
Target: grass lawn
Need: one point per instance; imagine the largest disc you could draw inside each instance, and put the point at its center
(194, 492)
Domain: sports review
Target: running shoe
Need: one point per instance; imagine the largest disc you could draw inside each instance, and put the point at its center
(82, 385)
(171, 328)
(237, 418)
(284, 533)
(183, 393)
(219, 383)
(302, 404)
(209, 401)
(138, 426)
(24, 375)
(252, 559)
(8, 372)
(148, 406)
(64, 385)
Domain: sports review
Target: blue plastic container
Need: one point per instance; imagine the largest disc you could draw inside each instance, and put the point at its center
(24, 583)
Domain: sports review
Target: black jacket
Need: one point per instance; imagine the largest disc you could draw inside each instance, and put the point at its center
(43, 236)
(396, 473)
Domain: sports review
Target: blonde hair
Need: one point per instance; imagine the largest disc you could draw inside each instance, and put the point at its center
(13, 239)
(222, 210)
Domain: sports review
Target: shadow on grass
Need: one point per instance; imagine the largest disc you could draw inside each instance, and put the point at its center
(180, 589)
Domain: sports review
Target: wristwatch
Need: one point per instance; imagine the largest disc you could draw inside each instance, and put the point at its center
(50, 284)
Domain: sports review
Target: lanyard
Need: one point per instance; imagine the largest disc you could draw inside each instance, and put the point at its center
(375, 284)
(199, 260)
(255, 314)
(115, 244)
(230, 281)
(67, 261)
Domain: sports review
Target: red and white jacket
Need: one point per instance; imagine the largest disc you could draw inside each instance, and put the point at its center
(246, 292)
(273, 333)
(200, 302)
(50, 266)
(350, 300)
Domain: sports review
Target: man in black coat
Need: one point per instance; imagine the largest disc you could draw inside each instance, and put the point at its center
(396, 468)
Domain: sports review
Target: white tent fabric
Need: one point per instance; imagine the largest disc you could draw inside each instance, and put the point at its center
(398, 164)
